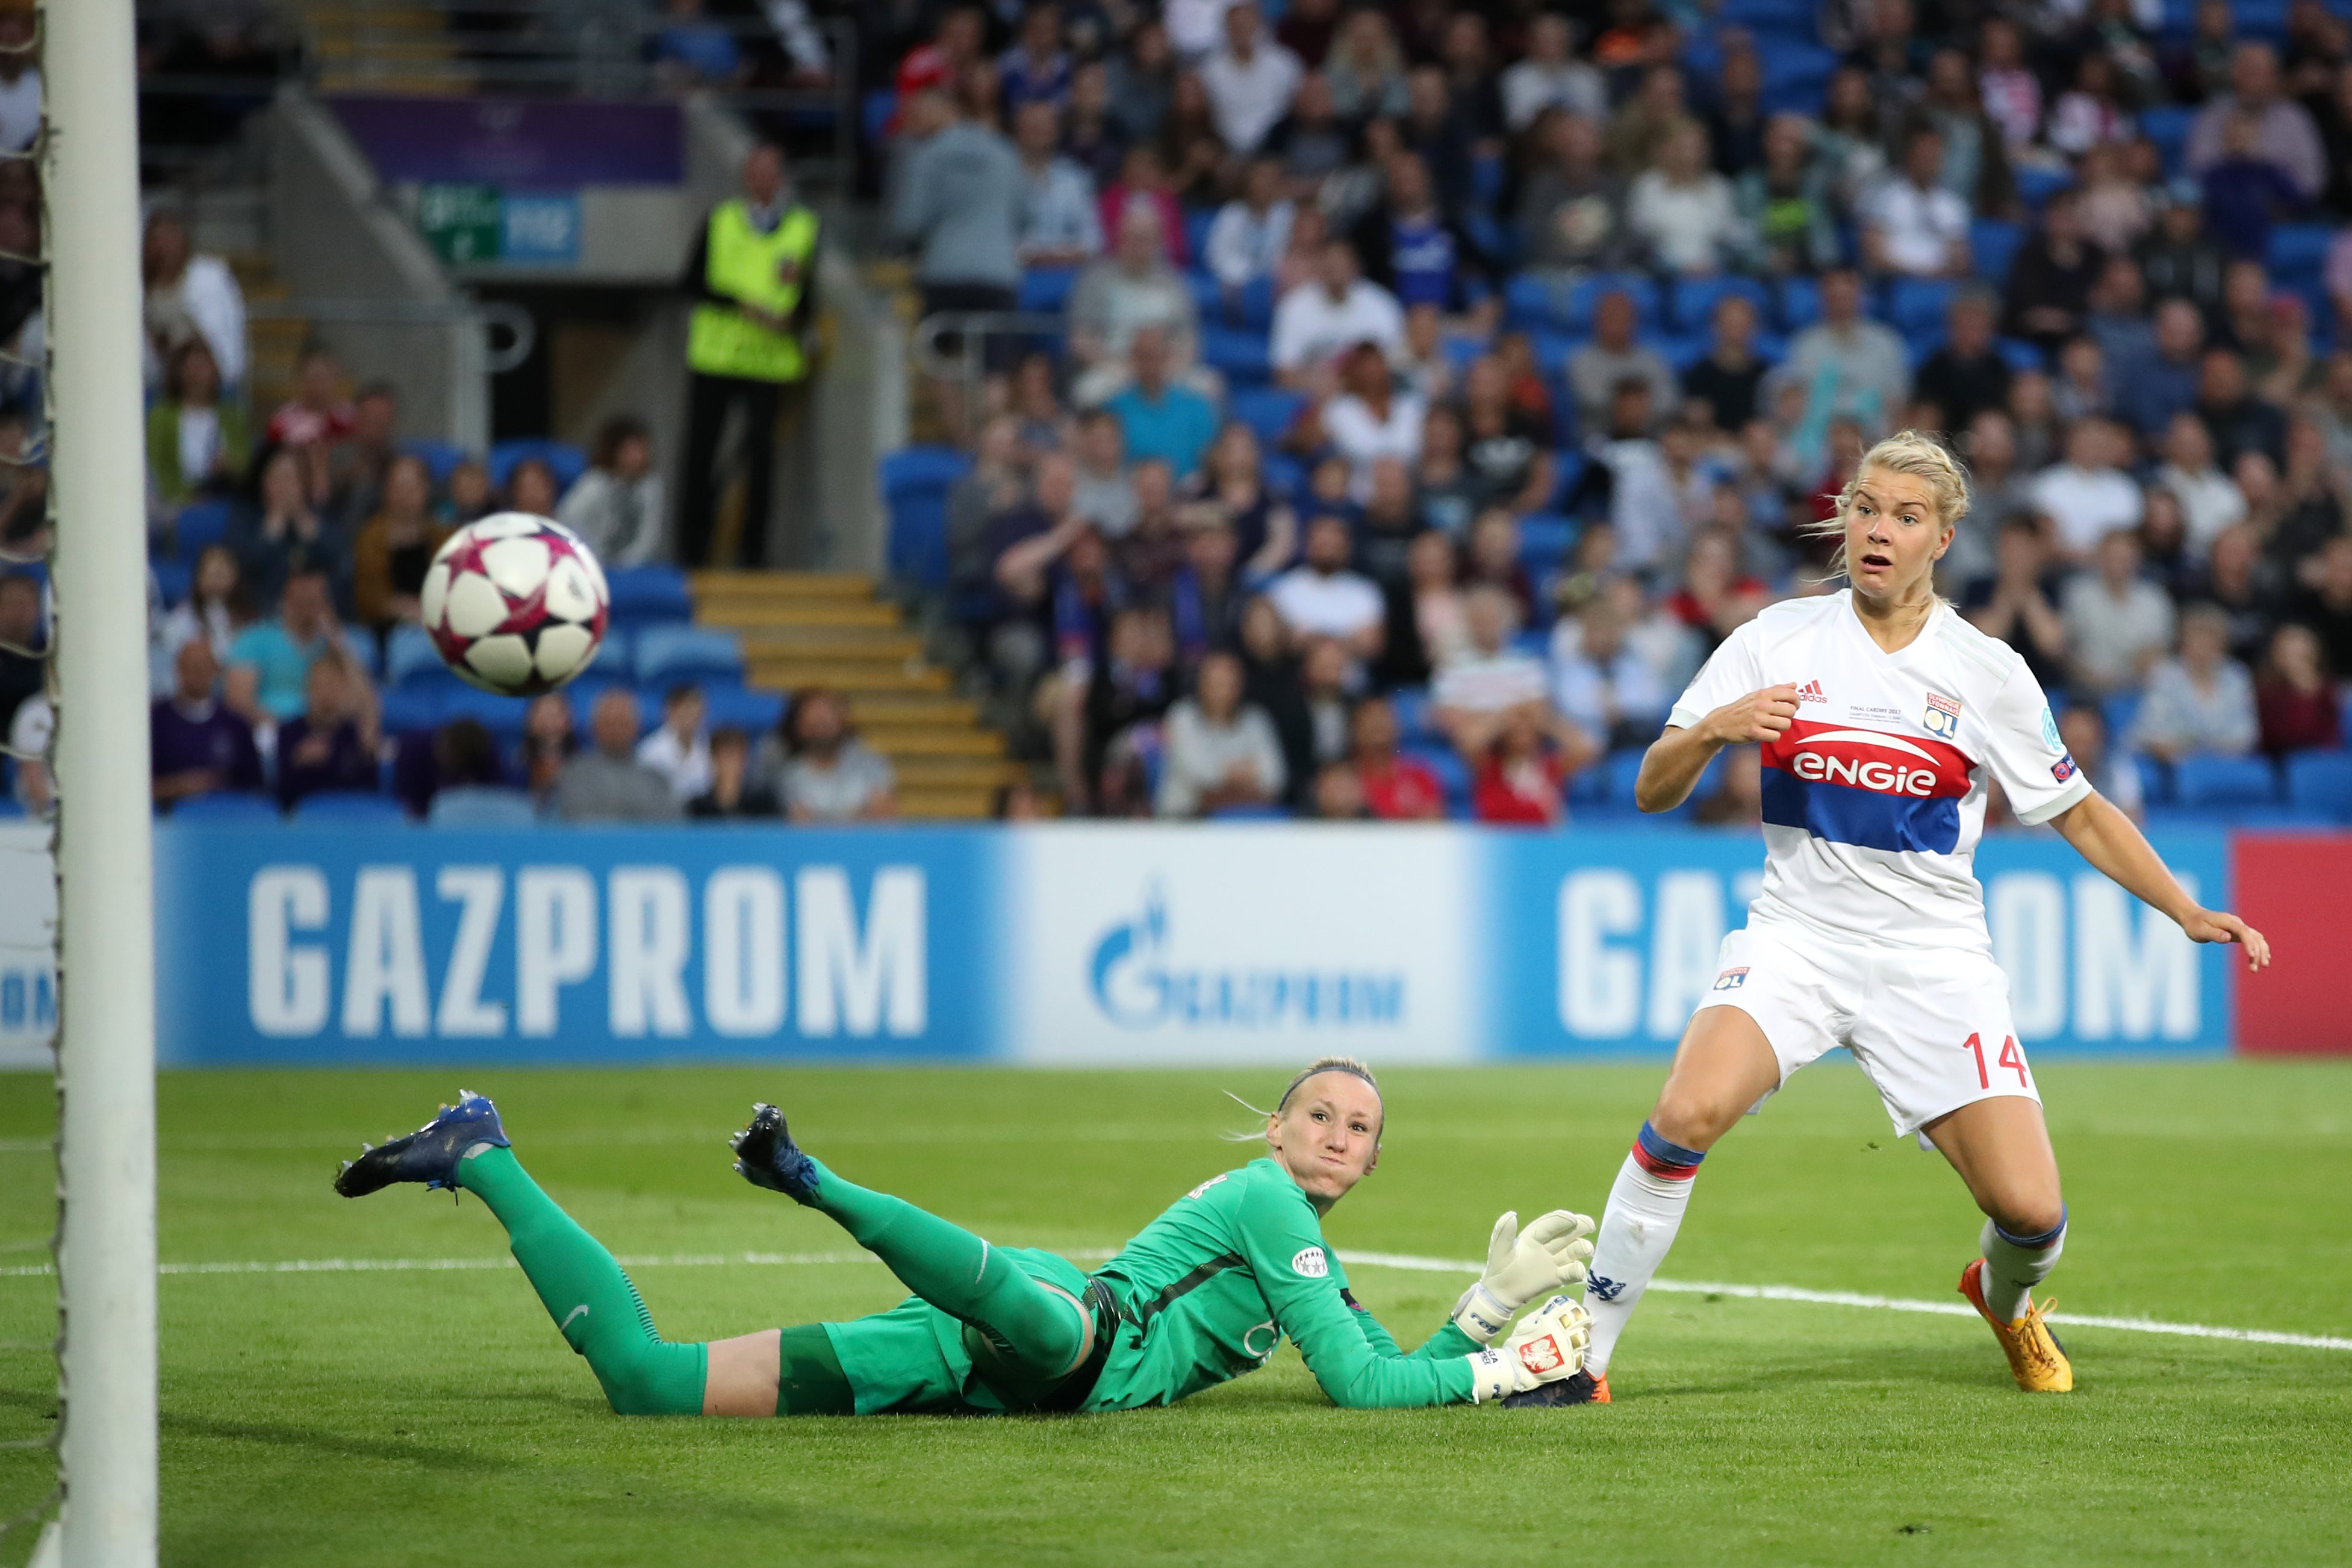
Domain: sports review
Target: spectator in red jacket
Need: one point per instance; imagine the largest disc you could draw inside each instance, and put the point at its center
(1520, 783)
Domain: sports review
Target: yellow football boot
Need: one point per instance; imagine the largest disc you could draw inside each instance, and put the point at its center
(2035, 1356)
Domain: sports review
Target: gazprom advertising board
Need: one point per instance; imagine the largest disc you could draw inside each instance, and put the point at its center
(1071, 943)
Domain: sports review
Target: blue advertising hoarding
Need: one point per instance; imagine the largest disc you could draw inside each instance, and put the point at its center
(1079, 944)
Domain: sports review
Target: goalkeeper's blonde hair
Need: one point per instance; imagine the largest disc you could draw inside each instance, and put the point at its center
(1912, 452)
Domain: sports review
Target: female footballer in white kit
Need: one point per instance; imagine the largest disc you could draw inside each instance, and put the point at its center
(1883, 715)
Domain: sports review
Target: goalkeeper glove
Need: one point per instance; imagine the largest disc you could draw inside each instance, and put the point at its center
(1521, 1267)
(1547, 1347)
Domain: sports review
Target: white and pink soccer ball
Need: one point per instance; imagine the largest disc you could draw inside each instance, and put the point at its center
(515, 603)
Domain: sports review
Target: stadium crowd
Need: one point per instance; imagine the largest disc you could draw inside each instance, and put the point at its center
(1435, 385)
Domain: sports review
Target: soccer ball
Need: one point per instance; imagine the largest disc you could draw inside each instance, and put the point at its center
(515, 603)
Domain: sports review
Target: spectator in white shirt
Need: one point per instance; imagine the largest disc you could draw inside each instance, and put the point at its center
(2209, 500)
(1118, 295)
(1061, 223)
(1251, 80)
(680, 749)
(1216, 750)
(1322, 319)
(190, 296)
(616, 506)
(1323, 598)
(2203, 700)
(1682, 210)
(1911, 225)
(2089, 494)
(2117, 623)
(1550, 78)
(1476, 695)
(1371, 419)
(1598, 681)
(1247, 241)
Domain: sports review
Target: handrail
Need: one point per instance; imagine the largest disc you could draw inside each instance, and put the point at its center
(493, 315)
(971, 327)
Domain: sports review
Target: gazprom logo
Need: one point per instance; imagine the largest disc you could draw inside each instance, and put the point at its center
(1135, 984)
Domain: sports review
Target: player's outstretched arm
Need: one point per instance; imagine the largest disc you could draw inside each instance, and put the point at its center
(1671, 767)
(2109, 840)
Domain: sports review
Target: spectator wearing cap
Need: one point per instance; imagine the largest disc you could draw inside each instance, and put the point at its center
(1119, 296)
(1160, 418)
(1320, 320)
(1596, 369)
(1251, 79)
(1061, 224)
(190, 296)
(2201, 702)
(2283, 133)
(2152, 390)
(616, 506)
(198, 745)
(2119, 624)
(1913, 226)
(2050, 281)
(1966, 374)
(2089, 494)
(331, 745)
(1848, 364)
(604, 781)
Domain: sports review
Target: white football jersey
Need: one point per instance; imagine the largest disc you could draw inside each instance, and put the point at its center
(1874, 798)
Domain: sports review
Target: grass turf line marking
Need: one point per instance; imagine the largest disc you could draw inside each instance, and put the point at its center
(1403, 1260)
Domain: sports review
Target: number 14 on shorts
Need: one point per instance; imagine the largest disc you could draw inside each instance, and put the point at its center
(2011, 1058)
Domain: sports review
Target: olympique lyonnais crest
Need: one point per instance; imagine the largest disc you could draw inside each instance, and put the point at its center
(1943, 715)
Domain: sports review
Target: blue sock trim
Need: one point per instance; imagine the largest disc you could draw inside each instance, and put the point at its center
(1659, 1149)
(2035, 1243)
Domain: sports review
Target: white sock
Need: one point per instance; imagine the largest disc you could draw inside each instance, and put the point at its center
(2014, 1265)
(1636, 1230)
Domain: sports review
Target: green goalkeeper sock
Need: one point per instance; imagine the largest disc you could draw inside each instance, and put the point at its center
(1037, 1330)
(596, 1309)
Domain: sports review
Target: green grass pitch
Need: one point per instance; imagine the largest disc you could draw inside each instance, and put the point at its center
(389, 1418)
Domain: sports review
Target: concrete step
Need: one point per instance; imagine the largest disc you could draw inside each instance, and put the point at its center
(793, 674)
(945, 804)
(920, 770)
(865, 643)
(928, 740)
(729, 585)
(902, 710)
(747, 616)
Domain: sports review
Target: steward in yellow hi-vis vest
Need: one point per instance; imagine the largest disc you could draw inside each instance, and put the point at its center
(752, 278)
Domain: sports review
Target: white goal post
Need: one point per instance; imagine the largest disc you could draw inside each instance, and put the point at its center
(106, 1015)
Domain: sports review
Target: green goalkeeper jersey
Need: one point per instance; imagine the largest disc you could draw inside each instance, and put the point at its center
(1232, 1268)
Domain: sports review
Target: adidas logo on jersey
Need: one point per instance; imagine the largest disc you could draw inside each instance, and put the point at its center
(1810, 692)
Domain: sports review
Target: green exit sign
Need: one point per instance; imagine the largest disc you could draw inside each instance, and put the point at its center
(459, 221)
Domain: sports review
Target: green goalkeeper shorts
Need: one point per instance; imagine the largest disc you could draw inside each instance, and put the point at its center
(912, 1360)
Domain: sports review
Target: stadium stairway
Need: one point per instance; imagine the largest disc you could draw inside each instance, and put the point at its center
(823, 628)
(361, 46)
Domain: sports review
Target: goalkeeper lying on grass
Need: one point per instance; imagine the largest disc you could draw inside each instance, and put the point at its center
(1202, 1295)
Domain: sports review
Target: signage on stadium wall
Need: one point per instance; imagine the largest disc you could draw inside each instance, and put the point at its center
(545, 143)
(29, 954)
(1072, 943)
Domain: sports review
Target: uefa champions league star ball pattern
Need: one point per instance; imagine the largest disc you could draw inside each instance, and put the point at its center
(516, 605)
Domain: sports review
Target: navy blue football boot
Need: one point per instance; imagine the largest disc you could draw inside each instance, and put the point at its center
(766, 1156)
(430, 1154)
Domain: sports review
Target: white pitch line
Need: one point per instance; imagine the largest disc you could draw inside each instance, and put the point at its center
(1404, 1260)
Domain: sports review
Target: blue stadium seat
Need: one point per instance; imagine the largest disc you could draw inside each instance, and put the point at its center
(172, 580)
(915, 484)
(356, 808)
(1250, 307)
(1453, 773)
(741, 708)
(1800, 304)
(1260, 812)
(669, 655)
(1196, 232)
(501, 716)
(409, 657)
(368, 655)
(2155, 779)
(1992, 245)
(1046, 289)
(1413, 711)
(201, 523)
(407, 709)
(1622, 767)
(2299, 250)
(2208, 781)
(440, 457)
(1679, 350)
(1796, 70)
(2036, 184)
(875, 112)
(614, 652)
(2120, 710)
(2167, 128)
(1567, 307)
(2321, 782)
(641, 595)
(1286, 476)
(567, 461)
(1267, 410)
(1915, 306)
(1239, 353)
(226, 807)
(1544, 540)
(1693, 299)
(2021, 354)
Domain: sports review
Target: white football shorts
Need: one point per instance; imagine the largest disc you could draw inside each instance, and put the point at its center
(1931, 1029)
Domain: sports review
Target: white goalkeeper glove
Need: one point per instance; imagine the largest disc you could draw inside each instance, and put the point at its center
(1524, 1265)
(1547, 1347)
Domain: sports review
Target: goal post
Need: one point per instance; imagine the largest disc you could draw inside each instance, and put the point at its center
(106, 1015)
